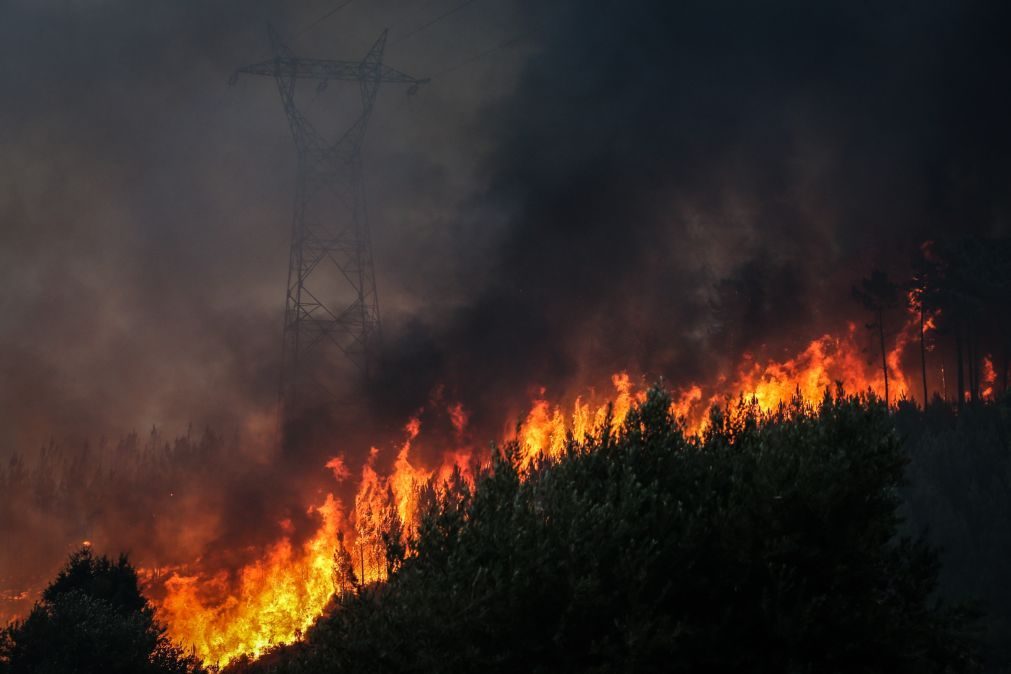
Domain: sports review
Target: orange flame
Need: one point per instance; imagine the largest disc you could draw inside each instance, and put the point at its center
(989, 377)
(277, 597)
(825, 363)
(274, 599)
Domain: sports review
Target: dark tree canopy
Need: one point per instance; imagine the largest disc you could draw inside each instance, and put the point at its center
(92, 619)
(771, 544)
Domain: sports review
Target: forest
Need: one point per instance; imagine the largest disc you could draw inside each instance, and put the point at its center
(844, 535)
(409, 336)
(836, 537)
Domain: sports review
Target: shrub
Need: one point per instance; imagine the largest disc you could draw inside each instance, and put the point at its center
(92, 619)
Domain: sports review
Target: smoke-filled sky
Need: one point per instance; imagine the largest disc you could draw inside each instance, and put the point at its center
(643, 184)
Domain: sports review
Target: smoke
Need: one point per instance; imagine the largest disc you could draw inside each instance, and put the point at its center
(641, 185)
(145, 218)
(684, 181)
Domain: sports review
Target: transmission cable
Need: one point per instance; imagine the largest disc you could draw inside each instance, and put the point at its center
(321, 19)
(423, 8)
(477, 57)
(425, 26)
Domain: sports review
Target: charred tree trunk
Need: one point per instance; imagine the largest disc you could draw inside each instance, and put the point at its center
(884, 355)
(923, 360)
(1004, 376)
(960, 372)
(970, 340)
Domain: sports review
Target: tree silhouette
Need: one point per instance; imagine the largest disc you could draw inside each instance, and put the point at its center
(969, 282)
(92, 619)
(878, 294)
(344, 579)
(771, 544)
(924, 298)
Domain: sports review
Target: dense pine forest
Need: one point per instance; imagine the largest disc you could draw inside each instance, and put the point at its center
(841, 537)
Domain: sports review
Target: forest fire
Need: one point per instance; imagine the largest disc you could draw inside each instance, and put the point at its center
(504, 336)
(274, 599)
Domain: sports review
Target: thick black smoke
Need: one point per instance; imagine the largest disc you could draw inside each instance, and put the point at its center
(683, 181)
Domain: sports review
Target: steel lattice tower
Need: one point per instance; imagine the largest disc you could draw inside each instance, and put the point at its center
(331, 300)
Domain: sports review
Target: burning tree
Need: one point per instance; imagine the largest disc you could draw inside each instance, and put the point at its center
(878, 294)
(344, 578)
(966, 284)
(770, 543)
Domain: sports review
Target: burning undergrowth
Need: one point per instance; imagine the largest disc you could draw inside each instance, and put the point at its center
(375, 503)
(242, 546)
(670, 191)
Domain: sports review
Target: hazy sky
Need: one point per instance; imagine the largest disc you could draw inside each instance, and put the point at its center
(145, 205)
(578, 200)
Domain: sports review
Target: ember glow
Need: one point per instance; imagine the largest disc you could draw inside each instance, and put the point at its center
(274, 599)
(277, 597)
(989, 377)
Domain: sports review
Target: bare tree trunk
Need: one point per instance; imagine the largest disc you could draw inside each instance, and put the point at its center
(970, 341)
(884, 356)
(960, 377)
(923, 359)
(1006, 356)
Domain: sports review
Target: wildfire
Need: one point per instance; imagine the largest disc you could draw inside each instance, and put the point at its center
(276, 598)
(989, 376)
(825, 363)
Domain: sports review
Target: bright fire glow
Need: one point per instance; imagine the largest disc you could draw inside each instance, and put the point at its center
(276, 598)
(989, 377)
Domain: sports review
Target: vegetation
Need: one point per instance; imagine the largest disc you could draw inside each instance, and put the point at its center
(965, 284)
(959, 492)
(877, 294)
(770, 544)
(637, 548)
(65, 493)
(92, 618)
(774, 543)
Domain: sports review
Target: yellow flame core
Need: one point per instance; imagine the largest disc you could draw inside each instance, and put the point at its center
(277, 598)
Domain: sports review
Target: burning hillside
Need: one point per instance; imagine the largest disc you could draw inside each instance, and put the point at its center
(276, 598)
(326, 532)
(558, 207)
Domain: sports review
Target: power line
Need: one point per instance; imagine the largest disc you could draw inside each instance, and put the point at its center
(431, 23)
(477, 57)
(466, 62)
(423, 8)
(321, 19)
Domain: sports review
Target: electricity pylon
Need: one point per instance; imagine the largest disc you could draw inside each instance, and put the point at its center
(331, 292)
